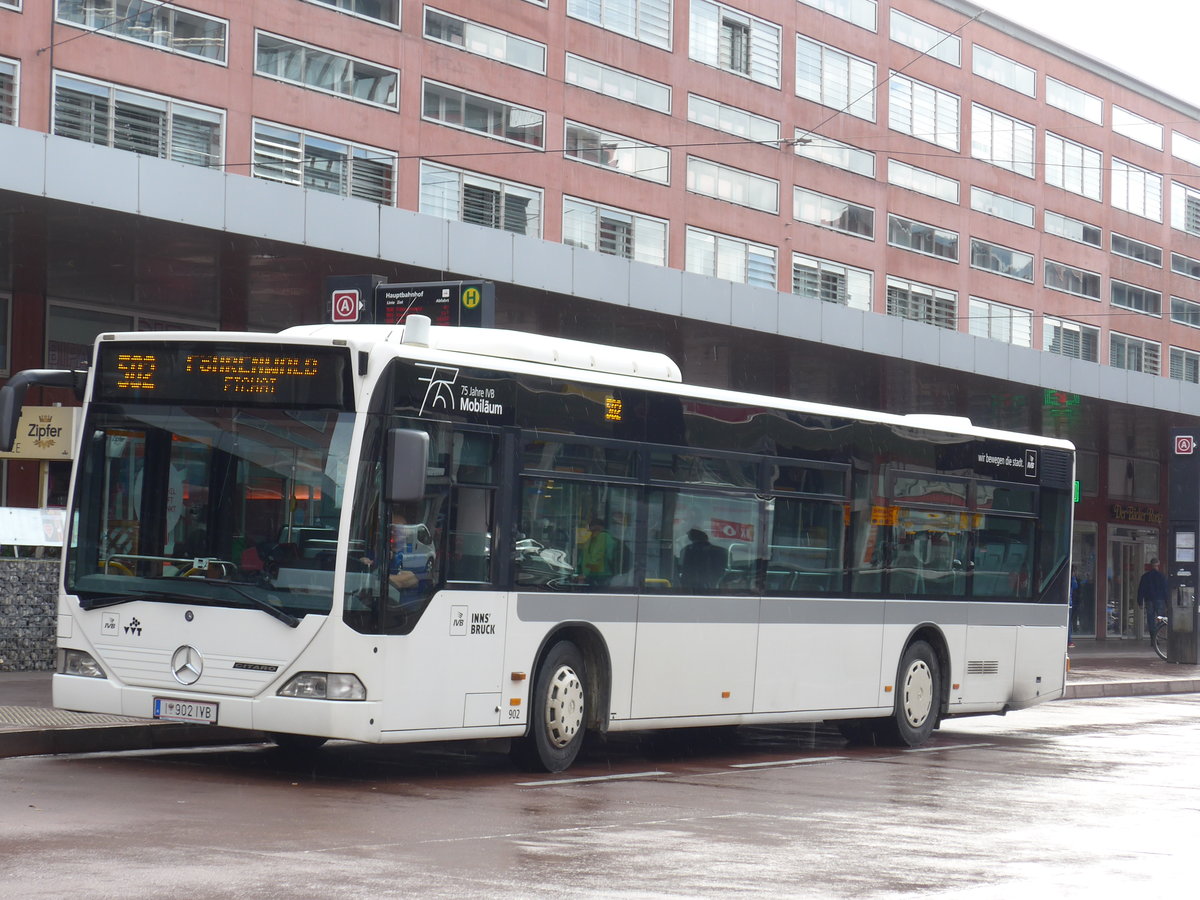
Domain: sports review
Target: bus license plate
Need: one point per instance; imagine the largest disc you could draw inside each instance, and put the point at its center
(185, 710)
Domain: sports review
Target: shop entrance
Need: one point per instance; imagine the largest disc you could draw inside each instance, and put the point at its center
(1129, 550)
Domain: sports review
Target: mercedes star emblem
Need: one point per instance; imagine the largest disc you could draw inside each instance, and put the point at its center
(187, 664)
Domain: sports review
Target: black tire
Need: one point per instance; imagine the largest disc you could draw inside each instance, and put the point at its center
(296, 743)
(557, 712)
(1161, 640)
(918, 698)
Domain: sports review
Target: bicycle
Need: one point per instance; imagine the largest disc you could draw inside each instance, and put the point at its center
(1160, 638)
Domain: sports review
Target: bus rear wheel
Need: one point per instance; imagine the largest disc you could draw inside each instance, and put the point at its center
(918, 698)
(557, 713)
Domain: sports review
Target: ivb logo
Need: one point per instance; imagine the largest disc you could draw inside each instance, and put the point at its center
(1185, 445)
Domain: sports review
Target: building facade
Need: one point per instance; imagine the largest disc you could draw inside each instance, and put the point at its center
(912, 205)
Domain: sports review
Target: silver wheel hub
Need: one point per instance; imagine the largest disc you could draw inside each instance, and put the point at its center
(564, 707)
(917, 700)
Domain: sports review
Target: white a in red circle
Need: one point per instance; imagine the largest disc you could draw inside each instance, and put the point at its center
(345, 306)
(1185, 445)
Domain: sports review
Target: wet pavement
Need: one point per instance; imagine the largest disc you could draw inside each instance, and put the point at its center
(30, 725)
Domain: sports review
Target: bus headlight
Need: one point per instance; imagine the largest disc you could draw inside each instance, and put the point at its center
(76, 662)
(324, 686)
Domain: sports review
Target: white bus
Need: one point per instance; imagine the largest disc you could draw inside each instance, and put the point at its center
(410, 533)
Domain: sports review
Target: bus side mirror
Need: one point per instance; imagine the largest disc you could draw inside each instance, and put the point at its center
(407, 456)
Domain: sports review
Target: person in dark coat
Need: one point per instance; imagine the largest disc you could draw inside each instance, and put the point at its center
(1152, 595)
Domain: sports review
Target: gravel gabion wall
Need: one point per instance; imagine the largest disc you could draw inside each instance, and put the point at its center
(28, 593)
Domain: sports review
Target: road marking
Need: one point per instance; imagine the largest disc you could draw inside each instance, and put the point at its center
(589, 779)
(945, 747)
(803, 761)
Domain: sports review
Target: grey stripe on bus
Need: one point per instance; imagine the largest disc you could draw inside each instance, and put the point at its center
(630, 608)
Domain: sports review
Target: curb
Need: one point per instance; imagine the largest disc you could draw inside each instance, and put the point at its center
(1090, 690)
(107, 738)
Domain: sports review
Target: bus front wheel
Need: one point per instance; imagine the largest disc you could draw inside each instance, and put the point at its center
(918, 698)
(557, 714)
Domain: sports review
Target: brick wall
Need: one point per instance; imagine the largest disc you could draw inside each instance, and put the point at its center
(28, 594)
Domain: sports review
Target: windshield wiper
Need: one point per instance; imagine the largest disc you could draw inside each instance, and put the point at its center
(99, 601)
(285, 617)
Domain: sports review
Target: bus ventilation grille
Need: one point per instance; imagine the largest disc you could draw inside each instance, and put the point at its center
(1055, 468)
(983, 667)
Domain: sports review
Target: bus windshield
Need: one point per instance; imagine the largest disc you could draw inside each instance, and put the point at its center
(209, 505)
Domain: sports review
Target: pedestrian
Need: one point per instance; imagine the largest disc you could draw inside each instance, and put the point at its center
(1152, 595)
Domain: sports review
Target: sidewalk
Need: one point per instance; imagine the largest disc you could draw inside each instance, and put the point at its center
(30, 725)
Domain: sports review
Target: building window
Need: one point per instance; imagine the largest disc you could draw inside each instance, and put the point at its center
(733, 185)
(1128, 247)
(160, 25)
(480, 200)
(1185, 365)
(925, 112)
(11, 4)
(721, 256)
(1185, 148)
(1070, 339)
(1139, 299)
(616, 232)
(385, 11)
(732, 120)
(1136, 127)
(1002, 207)
(613, 151)
(1073, 100)
(830, 212)
(831, 282)
(324, 164)
(1072, 229)
(648, 21)
(1185, 208)
(484, 40)
(9, 69)
(1073, 167)
(922, 303)
(926, 38)
(1001, 260)
(735, 41)
(835, 153)
(1000, 322)
(857, 12)
(1070, 280)
(1185, 265)
(923, 181)
(1002, 140)
(1136, 190)
(1185, 312)
(1002, 70)
(323, 70)
(1135, 354)
(834, 78)
(149, 124)
(617, 83)
(482, 115)
(922, 238)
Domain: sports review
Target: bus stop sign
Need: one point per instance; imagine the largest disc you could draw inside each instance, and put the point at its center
(470, 303)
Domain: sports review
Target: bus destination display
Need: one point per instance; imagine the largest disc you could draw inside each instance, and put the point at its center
(194, 372)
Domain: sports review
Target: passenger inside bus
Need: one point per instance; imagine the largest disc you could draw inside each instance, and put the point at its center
(701, 564)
